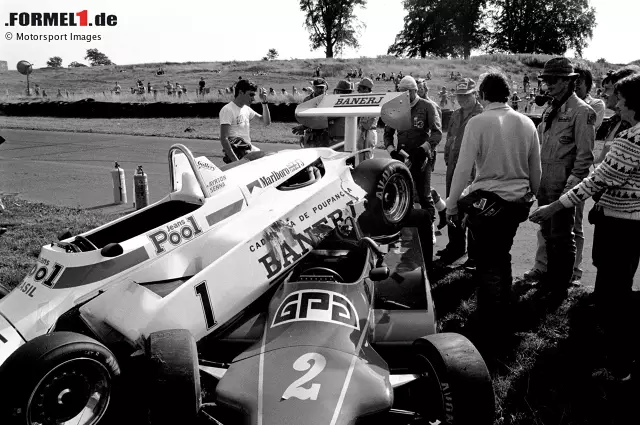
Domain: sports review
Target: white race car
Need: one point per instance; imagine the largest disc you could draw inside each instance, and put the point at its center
(262, 271)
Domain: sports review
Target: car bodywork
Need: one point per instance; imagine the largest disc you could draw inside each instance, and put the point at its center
(265, 265)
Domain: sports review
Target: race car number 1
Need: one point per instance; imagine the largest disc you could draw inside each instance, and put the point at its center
(303, 363)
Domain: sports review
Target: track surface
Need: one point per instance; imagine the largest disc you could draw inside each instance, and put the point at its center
(74, 169)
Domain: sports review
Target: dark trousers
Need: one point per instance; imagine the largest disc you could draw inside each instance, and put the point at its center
(459, 240)
(422, 182)
(493, 238)
(561, 248)
(616, 253)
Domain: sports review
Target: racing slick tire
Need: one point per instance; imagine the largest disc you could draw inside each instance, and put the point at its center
(389, 187)
(453, 386)
(55, 377)
(175, 393)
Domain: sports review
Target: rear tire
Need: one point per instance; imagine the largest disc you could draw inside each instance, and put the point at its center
(389, 187)
(175, 393)
(55, 377)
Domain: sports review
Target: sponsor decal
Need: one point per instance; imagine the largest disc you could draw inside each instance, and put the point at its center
(253, 185)
(326, 203)
(386, 175)
(175, 233)
(206, 165)
(295, 165)
(448, 402)
(274, 177)
(358, 101)
(316, 305)
(286, 246)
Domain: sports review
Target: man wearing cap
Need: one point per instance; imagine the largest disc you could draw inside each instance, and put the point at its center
(419, 142)
(584, 84)
(469, 108)
(336, 127)
(311, 137)
(367, 126)
(567, 136)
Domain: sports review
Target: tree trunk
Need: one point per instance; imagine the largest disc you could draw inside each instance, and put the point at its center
(329, 44)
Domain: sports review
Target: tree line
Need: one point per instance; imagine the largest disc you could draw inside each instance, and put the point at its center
(452, 28)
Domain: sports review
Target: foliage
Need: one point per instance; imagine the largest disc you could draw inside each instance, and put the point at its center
(97, 58)
(54, 62)
(75, 64)
(441, 27)
(332, 24)
(272, 54)
(602, 61)
(541, 26)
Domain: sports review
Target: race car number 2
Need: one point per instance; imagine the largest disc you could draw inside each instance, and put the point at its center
(313, 363)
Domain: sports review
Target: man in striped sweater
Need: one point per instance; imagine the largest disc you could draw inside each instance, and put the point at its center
(616, 251)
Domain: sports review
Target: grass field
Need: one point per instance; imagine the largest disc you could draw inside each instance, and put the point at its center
(199, 128)
(97, 82)
(541, 370)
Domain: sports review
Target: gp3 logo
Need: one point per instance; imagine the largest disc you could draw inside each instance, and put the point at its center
(175, 234)
(316, 305)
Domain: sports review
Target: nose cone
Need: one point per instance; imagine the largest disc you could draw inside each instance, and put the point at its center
(10, 339)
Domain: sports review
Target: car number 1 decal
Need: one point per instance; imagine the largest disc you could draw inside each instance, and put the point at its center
(203, 293)
(303, 363)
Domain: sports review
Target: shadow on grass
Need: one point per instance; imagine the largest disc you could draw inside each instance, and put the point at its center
(542, 362)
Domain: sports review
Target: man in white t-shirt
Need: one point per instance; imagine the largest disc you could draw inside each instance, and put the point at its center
(236, 115)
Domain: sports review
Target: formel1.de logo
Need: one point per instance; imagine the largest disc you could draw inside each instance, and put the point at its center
(61, 19)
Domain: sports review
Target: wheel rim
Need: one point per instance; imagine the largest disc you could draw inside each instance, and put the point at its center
(431, 403)
(76, 392)
(395, 199)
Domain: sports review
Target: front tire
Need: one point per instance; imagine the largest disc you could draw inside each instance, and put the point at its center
(453, 386)
(389, 187)
(57, 377)
(175, 392)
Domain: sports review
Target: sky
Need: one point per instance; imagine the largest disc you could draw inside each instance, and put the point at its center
(216, 30)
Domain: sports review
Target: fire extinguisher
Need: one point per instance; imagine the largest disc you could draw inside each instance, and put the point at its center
(119, 185)
(141, 188)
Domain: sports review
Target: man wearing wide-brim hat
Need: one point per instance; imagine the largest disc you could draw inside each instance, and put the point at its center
(567, 135)
(310, 137)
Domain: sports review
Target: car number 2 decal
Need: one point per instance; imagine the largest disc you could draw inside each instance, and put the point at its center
(313, 363)
(202, 292)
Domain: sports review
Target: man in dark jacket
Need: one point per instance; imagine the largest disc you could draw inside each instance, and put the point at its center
(419, 142)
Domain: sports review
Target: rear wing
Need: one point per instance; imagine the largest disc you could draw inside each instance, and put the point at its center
(394, 108)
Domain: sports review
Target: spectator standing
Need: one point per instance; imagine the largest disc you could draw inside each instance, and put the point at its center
(117, 88)
(584, 83)
(201, 85)
(367, 126)
(504, 146)
(525, 83)
(615, 124)
(235, 119)
(443, 97)
(418, 142)
(616, 219)
(567, 134)
(515, 99)
(311, 137)
(149, 87)
(469, 108)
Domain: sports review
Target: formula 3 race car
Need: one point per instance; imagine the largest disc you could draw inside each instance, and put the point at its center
(284, 289)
